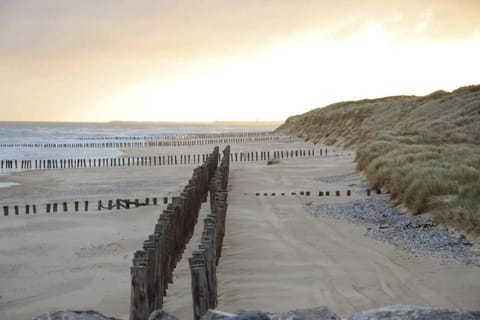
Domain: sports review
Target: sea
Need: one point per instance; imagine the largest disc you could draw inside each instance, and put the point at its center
(14, 133)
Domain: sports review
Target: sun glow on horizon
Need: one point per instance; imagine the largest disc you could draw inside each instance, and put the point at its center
(300, 74)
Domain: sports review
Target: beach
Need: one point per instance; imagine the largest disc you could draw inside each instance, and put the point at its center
(277, 255)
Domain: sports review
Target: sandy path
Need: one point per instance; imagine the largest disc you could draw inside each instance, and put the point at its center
(278, 257)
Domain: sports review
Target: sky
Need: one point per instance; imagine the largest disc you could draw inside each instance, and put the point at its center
(221, 60)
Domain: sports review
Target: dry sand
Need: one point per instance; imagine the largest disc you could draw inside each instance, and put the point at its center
(276, 256)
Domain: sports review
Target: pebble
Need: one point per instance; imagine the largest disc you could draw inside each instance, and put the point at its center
(416, 234)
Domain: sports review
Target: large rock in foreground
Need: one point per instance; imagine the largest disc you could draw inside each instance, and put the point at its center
(405, 312)
(320, 313)
(73, 315)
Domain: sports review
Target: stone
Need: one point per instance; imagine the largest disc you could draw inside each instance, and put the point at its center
(161, 315)
(318, 313)
(407, 312)
(216, 315)
(73, 315)
(250, 315)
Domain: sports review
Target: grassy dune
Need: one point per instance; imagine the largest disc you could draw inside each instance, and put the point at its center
(425, 151)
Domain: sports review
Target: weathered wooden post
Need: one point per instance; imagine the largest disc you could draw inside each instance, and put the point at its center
(138, 305)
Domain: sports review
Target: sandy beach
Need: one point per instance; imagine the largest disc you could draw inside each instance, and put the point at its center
(276, 255)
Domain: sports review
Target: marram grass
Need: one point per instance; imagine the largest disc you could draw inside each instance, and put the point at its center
(424, 151)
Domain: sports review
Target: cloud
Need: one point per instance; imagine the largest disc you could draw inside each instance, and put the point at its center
(59, 54)
(424, 23)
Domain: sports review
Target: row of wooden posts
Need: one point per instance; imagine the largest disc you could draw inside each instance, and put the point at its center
(188, 136)
(204, 260)
(161, 160)
(75, 206)
(320, 193)
(144, 144)
(153, 266)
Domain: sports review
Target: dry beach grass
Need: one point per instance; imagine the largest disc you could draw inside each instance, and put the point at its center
(425, 151)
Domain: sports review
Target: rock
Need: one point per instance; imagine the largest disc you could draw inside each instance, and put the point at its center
(406, 312)
(318, 313)
(250, 315)
(73, 315)
(273, 161)
(216, 315)
(161, 315)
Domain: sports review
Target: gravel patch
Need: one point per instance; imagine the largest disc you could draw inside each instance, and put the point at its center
(416, 234)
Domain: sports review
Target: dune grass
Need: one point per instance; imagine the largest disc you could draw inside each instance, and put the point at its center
(424, 151)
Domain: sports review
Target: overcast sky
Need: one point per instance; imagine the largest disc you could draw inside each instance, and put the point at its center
(207, 60)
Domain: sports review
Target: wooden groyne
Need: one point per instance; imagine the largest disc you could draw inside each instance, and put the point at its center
(154, 160)
(204, 260)
(149, 142)
(83, 205)
(153, 266)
